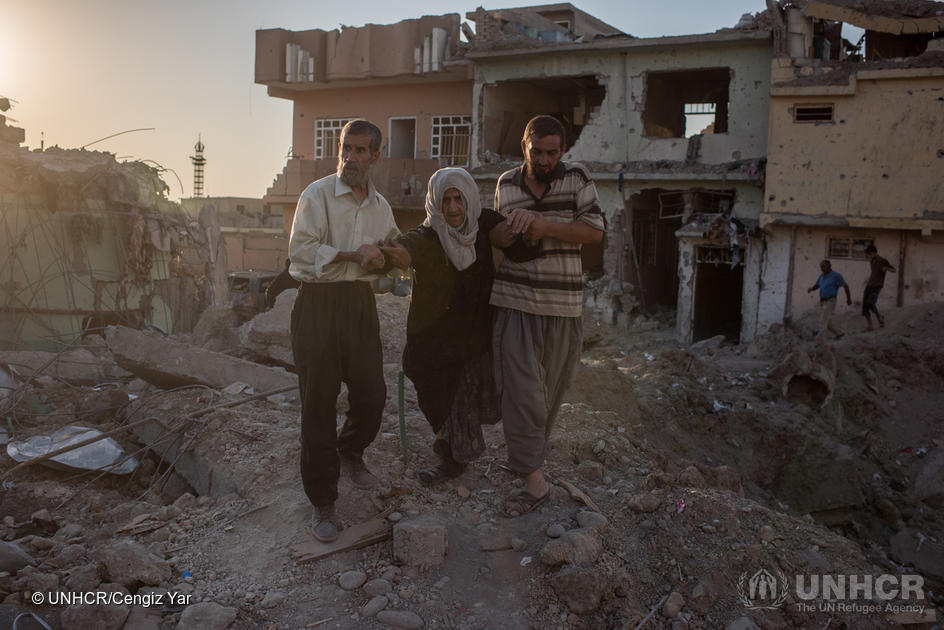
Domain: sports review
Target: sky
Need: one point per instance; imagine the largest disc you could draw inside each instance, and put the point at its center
(82, 70)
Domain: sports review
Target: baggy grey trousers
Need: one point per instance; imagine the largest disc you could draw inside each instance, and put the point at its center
(535, 360)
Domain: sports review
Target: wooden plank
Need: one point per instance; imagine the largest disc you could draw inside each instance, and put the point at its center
(361, 535)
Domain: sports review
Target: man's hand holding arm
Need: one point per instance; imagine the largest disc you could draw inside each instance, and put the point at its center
(572, 232)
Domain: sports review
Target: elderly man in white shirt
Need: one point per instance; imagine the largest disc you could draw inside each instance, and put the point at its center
(333, 250)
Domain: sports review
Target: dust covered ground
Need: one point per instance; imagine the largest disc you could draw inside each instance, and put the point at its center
(703, 467)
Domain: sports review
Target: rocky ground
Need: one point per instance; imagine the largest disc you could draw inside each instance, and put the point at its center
(681, 473)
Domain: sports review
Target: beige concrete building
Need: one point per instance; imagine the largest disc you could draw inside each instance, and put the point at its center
(407, 78)
(674, 130)
(856, 155)
(251, 229)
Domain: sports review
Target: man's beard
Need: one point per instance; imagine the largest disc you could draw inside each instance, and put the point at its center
(543, 175)
(354, 177)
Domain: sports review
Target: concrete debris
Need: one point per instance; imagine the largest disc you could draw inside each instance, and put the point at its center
(96, 616)
(77, 366)
(578, 546)
(206, 616)
(168, 363)
(131, 565)
(581, 589)
(267, 335)
(13, 558)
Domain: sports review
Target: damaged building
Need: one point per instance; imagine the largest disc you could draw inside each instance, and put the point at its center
(725, 162)
(674, 131)
(89, 242)
(408, 78)
(856, 153)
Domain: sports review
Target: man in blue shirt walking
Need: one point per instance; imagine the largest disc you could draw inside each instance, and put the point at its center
(828, 284)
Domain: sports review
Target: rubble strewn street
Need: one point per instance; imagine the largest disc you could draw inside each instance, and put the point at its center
(702, 465)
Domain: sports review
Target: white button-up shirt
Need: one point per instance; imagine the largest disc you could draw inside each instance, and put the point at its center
(329, 219)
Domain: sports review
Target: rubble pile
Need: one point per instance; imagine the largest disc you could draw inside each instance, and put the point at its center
(680, 474)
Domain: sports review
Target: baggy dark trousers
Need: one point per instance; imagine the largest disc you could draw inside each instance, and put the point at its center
(335, 339)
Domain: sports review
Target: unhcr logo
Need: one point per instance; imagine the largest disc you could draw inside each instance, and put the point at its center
(762, 591)
(836, 593)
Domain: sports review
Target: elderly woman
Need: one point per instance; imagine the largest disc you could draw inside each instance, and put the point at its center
(448, 334)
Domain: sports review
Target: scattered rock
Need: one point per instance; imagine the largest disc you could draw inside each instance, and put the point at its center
(131, 565)
(351, 580)
(702, 597)
(673, 605)
(96, 616)
(692, 478)
(404, 619)
(13, 558)
(929, 483)
(578, 546)
(518, 544)
(580, 588)
(591, 519)
(374, 606)
(206, 616)
(742, 623)
(556, 530)
(644, 503)
(420, 541)
(767, 533)
(84, 577)
(273, 599)
(378, 586)
(590, 470)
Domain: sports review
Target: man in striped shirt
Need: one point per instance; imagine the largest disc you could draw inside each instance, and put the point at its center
(552, 207)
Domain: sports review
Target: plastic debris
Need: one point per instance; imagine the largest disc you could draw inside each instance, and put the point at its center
(525, 561)
(104, 455)
(649, 357)
(679, 506)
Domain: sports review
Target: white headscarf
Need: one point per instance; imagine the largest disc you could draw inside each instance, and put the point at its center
(458, 243)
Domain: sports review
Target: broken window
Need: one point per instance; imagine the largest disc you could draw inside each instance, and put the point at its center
(328, 136)
(813, 113)
(848, 247)
(509, 105)
(450, 140)
(682, 204)
(401, 140)
(684, 103)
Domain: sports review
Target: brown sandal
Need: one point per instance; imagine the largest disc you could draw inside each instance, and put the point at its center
(519, 502)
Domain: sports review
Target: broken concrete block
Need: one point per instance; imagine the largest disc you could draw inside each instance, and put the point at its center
(206, 616)
(269, 334)
(168, 363)
(97, 616)
(216, 329)
(913, 548)
(77, 367)
(420, 542)
(578, 546)
(12, 558)
(129, 564)
(582, 589)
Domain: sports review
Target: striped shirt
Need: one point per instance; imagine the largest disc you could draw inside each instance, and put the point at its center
(551, 282)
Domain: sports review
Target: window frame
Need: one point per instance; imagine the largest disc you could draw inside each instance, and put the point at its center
(336, 125)
(436, 136)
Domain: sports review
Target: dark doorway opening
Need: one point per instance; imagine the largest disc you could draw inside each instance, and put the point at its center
(717, 299)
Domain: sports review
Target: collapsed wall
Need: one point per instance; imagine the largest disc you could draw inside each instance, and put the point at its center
(87, 241)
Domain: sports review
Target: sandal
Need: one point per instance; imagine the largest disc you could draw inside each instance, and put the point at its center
(519, 502)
